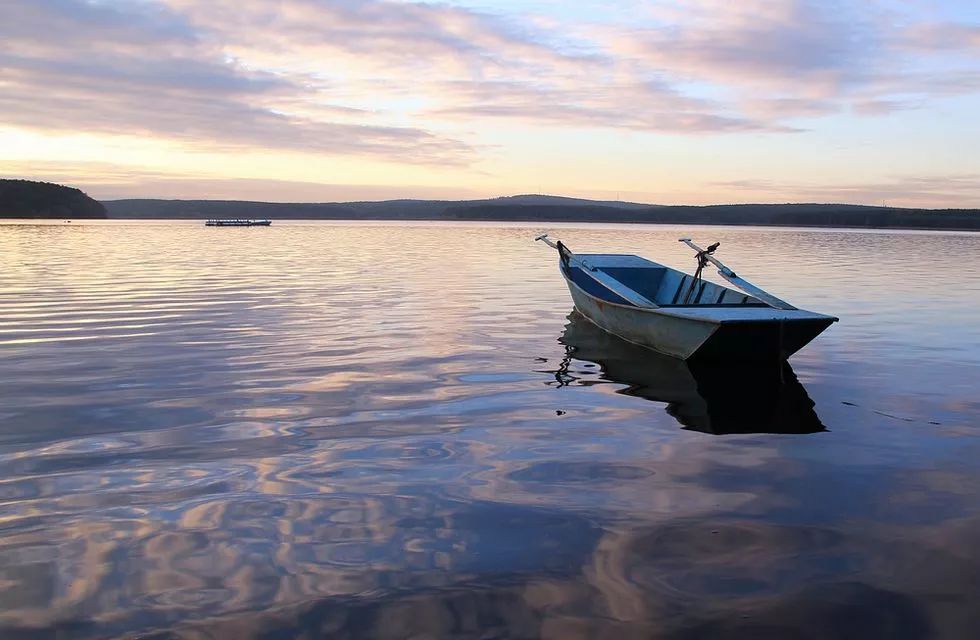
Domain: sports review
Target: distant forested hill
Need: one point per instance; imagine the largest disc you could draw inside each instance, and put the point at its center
(534, 208)
(27, 199)
(383, 210)
(802, 215)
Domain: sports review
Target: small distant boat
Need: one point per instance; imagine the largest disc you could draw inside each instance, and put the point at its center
(681, 315)
(238, 223)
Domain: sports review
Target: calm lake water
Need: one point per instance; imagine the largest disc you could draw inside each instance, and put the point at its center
(388, 431)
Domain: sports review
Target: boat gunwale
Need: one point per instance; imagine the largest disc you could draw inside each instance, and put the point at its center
(666, 311)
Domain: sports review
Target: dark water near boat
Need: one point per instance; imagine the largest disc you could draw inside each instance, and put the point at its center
(327, 430)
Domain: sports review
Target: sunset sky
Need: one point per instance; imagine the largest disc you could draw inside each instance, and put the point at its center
(695, 101)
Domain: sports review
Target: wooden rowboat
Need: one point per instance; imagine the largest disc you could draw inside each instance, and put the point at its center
(681, 315)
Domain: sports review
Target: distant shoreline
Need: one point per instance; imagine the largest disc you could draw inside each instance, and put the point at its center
(39, 200)
(551, 209)
(523, 222)
(528, 223)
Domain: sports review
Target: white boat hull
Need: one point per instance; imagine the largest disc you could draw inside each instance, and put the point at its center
(675, 337)
(706, 332)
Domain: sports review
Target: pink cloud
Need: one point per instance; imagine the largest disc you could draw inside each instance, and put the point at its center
(409, 81)
(154, 73)
(942, 37)
(947, 190)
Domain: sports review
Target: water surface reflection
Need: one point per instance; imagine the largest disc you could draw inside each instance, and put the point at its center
(299, 433)
(716, 398)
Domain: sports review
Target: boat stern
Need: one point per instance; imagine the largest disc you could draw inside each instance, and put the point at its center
(762, 341)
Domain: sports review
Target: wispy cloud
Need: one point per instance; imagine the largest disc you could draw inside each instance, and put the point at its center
(458, 63)
(814, 47)
(941, 37)
(797, 59)
(141, 68)
(427, 83)
(321, 75)
(106, 180)
(903, 191)
(652, 106)
(382, 34)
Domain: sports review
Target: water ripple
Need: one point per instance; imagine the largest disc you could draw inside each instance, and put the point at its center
(381, 431)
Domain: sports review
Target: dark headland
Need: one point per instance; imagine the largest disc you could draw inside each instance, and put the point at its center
(538, 208)
(28, 199)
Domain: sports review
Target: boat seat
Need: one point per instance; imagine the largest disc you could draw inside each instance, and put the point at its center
(704, 294)
(592, 287)
(643, 280)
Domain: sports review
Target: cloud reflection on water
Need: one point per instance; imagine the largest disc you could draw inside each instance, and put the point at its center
(316, 442)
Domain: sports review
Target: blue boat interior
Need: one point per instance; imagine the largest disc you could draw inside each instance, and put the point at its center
(662, 285)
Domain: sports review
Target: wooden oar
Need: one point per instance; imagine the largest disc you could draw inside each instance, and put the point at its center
(601, 277)
(744, 285)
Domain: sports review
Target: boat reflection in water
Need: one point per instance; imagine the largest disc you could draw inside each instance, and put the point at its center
(710, 397)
